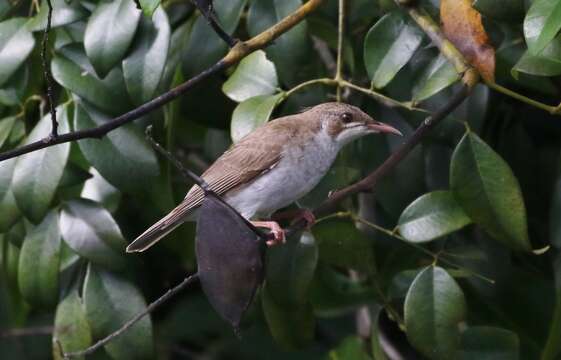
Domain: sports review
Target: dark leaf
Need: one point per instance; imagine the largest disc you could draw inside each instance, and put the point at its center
(229, 257)
(16, 43)
(489, 343)
(71, 325)
(351, 348)
(64, 12)
(438, 75)
(39, 263)
(9, 212)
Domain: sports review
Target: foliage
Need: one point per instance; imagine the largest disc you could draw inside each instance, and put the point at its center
(450, 246)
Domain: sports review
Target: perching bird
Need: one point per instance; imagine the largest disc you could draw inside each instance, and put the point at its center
(273, 166)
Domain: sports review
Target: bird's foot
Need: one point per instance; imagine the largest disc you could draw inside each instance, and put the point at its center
(296, 216)
(277, 233)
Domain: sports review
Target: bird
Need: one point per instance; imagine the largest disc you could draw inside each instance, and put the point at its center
(272, 167)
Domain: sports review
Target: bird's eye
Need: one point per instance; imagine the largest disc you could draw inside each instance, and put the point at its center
(347, 118)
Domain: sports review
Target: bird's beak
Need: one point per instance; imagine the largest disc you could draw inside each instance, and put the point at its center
(382, 128)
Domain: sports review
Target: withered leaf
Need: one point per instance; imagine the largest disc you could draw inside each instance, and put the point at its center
(463, 27)
(230, 259)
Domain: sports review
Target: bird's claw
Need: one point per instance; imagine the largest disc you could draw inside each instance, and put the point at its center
(276, 235)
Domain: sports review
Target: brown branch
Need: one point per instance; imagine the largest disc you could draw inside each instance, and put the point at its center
(170, 293)
(207, 9)
(29, 331)
(47, 72)
(238, 52)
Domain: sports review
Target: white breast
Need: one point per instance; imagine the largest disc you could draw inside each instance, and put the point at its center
(298, 172)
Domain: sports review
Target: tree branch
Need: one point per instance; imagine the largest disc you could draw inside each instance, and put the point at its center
(170, 293)
(240, 50)
(47, 72)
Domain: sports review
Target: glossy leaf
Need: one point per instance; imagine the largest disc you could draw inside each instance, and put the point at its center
(489, 343)
(144, 66)
(388, 46)
(432, 216)
(205, 47)
(255, 75)
(105, 48)
(251, 114)
(434, 307)
(109, 302)
(37, 174)
(438, 75)
(487, 190)
(149, 6)
(71, 326)
(123, 156)
(462, 25)
(16, 43)
(64, 13)
(91, 231)
(9, 211)
(542, 23)
(39, 263)
(547, 63)
(289, 50)
(98, 189)
(74, 72)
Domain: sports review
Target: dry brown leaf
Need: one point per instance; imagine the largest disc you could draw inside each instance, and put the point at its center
(462, 26)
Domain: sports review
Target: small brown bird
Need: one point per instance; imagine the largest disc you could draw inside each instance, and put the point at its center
(273, 166)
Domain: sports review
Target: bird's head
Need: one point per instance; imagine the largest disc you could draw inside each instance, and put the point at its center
(345, 123)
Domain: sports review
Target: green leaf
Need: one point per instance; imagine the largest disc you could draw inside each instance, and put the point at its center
(487, 190)
(149, 7)
(547, 63)
(292, 327)
(39, 263)
(542, 23)
(251, 114)
(288, 52)
(144, 66)
(13, 91)
(71, 327)
(9, 211)
(205, 47)
(16, 43)
(351, 348)
(123, 156)
(100, 190)
(434, 307)
(6, 126)
(91, 231)
(255, 75)
(438, 75)
(489, 343)
(73, 72)
(110, 301)
(327, 31)
(431, 216)
(109, 33)
(388, 46)
(342, 244)
(64, 13)
(501, 10)
(290, 270)
(37, 174)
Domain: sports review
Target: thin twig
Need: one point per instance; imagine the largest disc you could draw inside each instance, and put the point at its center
(325, 54)
(170, 293)
(47, 71)
(29, 331)
(340, 31)
(238, 52)
(207, 9)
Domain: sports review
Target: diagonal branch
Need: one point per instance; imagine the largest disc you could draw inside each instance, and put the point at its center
(240, 50)
(47, 72)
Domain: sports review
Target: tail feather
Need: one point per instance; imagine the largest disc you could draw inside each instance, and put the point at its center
(160, 229)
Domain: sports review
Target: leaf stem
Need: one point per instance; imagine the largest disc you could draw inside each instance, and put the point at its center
(555, 110)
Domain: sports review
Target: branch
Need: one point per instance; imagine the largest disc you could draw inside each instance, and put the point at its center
(30, 331)
(170, 293)
(47, 71)
(238, 52)
(207, 9)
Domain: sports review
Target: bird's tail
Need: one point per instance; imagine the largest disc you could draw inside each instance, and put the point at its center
(160, 229)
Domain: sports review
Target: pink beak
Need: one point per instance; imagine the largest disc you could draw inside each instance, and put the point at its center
(383, 128)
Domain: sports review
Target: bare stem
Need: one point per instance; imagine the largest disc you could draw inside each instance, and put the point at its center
(47, 71)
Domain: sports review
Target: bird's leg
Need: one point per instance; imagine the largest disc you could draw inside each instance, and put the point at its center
(276, 231)
(296, 215)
